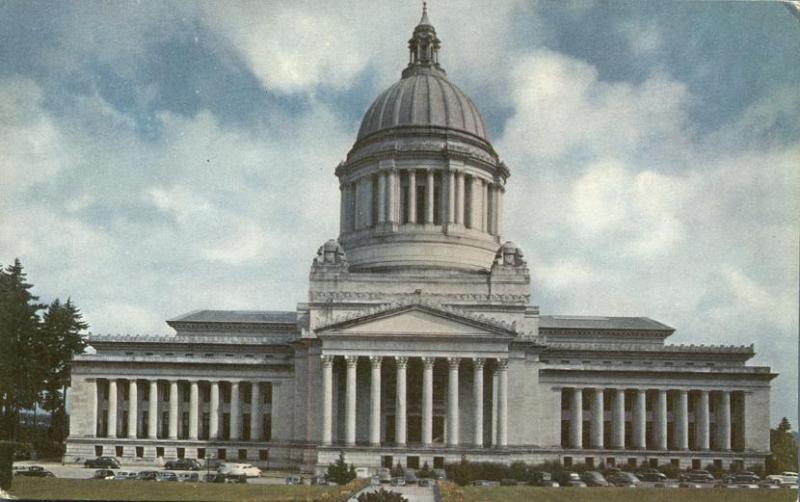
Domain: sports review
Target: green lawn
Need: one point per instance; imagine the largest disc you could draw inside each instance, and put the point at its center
(83, 489)
(533, 494)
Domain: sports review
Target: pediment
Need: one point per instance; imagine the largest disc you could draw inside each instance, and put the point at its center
(417, 320)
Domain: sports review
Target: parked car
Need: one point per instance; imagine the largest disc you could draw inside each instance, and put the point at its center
(739, 481)
(125, 475)
(103, 474)
(166, 476)
(410, 476)
(697, 476)
(102, 463)
(323, 481)
(230, 469)
(786, 478)
(542, 478)
(423, 482)
(34, 473)
(621, 478)
(385, 474)
(182, 464)
(399, 481)
(147, 476)
(362, 473)
(593, 478)
(294, 479)
(190, 477)
(652, 476)
(569, 478)
(439, 474)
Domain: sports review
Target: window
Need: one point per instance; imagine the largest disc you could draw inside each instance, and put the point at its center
(266, 391)
(654, 462)
(263, 455)
(118, 451)
(567, 461)
(695, 463)
(98, 450)
(412, 462)
(675, 462)
(201, 453)
(208, 355)
(181, 452)
(189, 355)
(139, 451)
(611, 461)
(242, 454)
(438, 462)
(222, 453)
(266, 427)
(160, 451)
(590, 462)
(632, 462)
(387, 461)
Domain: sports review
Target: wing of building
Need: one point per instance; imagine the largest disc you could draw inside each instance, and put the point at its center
(418, 342)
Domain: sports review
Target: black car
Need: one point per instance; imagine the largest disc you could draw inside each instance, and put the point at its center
(542, 478)
(102, 463)
(35, 473)
(652, 476)
(697, 476)
(182, 464)
(214, 478)
(593, 478)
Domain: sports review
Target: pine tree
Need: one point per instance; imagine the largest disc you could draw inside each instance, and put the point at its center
(783, 447)
(21, 370)
(339, 473)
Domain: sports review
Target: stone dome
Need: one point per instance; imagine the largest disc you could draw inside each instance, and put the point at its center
(423, 99)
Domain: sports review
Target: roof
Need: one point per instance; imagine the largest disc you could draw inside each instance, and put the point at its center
(604, 323)
(238, 316)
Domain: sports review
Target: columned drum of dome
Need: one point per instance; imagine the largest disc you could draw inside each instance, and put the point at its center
(422, 187)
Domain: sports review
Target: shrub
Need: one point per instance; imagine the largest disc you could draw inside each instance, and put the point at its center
(670, 471)
(6, 461)
(339, 473)
(425, 472)
(381, 496)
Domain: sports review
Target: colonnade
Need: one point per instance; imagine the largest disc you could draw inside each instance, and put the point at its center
(453, 410)
(424, 197)
(258, 409)
(667, 408)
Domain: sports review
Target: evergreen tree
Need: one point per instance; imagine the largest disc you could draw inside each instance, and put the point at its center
(21, 369)
(783, 447)
(61, 337)
(339, 473)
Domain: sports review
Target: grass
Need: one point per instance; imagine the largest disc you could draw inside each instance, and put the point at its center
(87, 489)
(453, 493)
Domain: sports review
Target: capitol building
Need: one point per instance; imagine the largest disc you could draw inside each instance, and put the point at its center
(418, 341)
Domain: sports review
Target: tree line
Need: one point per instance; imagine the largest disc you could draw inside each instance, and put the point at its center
(37, 342)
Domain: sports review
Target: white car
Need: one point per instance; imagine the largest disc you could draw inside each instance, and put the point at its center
(786, 478)
(231, 469)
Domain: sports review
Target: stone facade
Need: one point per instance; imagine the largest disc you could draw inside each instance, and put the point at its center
(418, 342)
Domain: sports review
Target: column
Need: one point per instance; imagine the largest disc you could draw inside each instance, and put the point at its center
(429, 198)
(682, 421)
(375, 401)
(382, 202)
(460, 197)
(194, 402)
(112, 408)
(640, 420)
(491, 211)
(702, 420)
(412, 195)
(724, 421)
(255, 412)
(133, 409)
(391, 196)
(400, 411)
(350, 404)
(596, 431)
(576, 419)
(499, 228)
(484, 206)
(236, 412)
(502, 403)
(327, 399)
(452, 401)
(660, 421)
(495, 385)
(94, 401)
(152, 410)
(477, 398)
(451, 196)
(427, 400)
(618, 419)
(343, 208)
(213, 412)
(173, 409)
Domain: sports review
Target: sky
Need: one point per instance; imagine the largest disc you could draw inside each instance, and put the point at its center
(162, 157)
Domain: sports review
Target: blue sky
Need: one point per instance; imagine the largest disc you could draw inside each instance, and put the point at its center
(162, 157)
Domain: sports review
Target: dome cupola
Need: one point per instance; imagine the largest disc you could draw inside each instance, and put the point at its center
(422, 186)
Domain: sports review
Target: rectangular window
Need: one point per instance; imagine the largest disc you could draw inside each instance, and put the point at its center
(185, 393)
(247, 393)
(387, 461)
(675, 462)
(632, 462)
(185, 425)
(118, 451)
(653, 462)
(222, 453)
(266, 434)
(695, 463)
(567, 462)
(611, 461)
(181, 452)
(205, 426)
(201, 453)
(146, 393)
(438, 462)
(263, 455)
(164, 424)
(242, 454)
(226, 393)
(98, 450)
(206, 393)
(139, 452)
(266, 391)
(246, 427)
(412, 462)
(226, 426)
(420, 200)
(160, 451)
(590, 462)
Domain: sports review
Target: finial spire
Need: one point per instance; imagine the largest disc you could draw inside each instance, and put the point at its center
(423, 47)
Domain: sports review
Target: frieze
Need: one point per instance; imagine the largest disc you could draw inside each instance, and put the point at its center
(189, 339)
(334, 296)
(636, 347)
